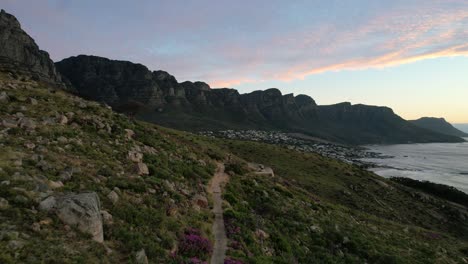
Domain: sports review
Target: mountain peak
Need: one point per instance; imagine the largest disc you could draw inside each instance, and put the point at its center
(440, 125)
(21, 55)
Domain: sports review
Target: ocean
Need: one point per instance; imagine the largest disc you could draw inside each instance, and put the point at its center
(445, 163)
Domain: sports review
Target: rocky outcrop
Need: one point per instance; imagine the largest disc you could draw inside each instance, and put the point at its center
(439, 125)
(158, 97)
(82, 211)
(20, 55)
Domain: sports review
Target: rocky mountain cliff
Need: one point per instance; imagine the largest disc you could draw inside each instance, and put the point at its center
(158, 97)
(19, 54)
(439, 125)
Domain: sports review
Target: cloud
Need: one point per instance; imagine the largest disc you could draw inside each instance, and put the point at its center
(229, 43)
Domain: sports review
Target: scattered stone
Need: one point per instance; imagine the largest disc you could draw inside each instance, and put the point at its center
(135, 156)
(200, 200)
(21, 199)
(70, 115)
(16, 244)
(171, 210)
(107, 217)
(66, 174)
(32, 101)
(43, 165)
(18, 163)
(4, 204)
(141, 169)
(261, 234)
(30, 145)
(4, 97)
(113, 196)
(169, 185)
(316, 229)
(81, 210)
(62, 120)
(27, 123)
(141, 257)
(5, 183)
(184, 192)
(9, 123)
(129, 134)
(62, 140)
(36, 227)
(55, 184)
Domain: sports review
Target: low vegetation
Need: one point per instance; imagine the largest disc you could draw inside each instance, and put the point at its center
(151, 183)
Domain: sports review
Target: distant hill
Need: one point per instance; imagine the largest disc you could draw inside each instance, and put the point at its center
(195, 106)
(439, 125)
(462, 127)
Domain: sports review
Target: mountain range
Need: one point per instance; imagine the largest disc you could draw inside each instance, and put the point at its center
(156, 96)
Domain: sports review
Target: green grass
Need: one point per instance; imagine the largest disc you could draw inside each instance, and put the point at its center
(316, 210)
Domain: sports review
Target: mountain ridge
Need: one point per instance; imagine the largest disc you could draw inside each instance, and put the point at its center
(156, 96)
(439, 125)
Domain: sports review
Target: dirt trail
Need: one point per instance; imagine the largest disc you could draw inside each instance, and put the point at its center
(215, 188)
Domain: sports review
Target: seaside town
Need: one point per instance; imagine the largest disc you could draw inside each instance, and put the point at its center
(346, 153)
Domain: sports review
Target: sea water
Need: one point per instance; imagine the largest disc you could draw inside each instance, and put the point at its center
(445, 163)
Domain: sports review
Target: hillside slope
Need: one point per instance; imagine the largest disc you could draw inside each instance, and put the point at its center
(439, 125)
(58, 145)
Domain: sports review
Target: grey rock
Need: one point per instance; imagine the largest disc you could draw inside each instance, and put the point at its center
(107, 217)
(129, 134)
(9, 123)
(200, 200)
(4, 203)
(113, 197)
(141, 257)
(32, 101)
(4, 97)
(141, 169)
(135, 156)
(27, 123)
(80, 210)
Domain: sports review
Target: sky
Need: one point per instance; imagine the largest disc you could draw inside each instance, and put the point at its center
(410, 55)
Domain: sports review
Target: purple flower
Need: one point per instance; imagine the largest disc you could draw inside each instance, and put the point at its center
(232, 261)
(193, 244)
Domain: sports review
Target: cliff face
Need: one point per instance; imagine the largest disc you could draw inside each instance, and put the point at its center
(19, 53)
(158, 97)
(438, 125)
(119, 83)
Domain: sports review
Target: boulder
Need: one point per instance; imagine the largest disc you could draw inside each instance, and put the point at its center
(141, 169)
(261, 234)
(141, 257)
(129, 134)
(27, 123)
(3, 203)
(63, 120)
(135, 156)
(81, 210)
(4, 97)
(113, 197)
(107, 217)
(200, 200)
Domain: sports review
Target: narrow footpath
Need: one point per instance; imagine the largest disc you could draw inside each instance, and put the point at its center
(215, 188)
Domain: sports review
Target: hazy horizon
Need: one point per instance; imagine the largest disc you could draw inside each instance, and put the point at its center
(407, 55)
